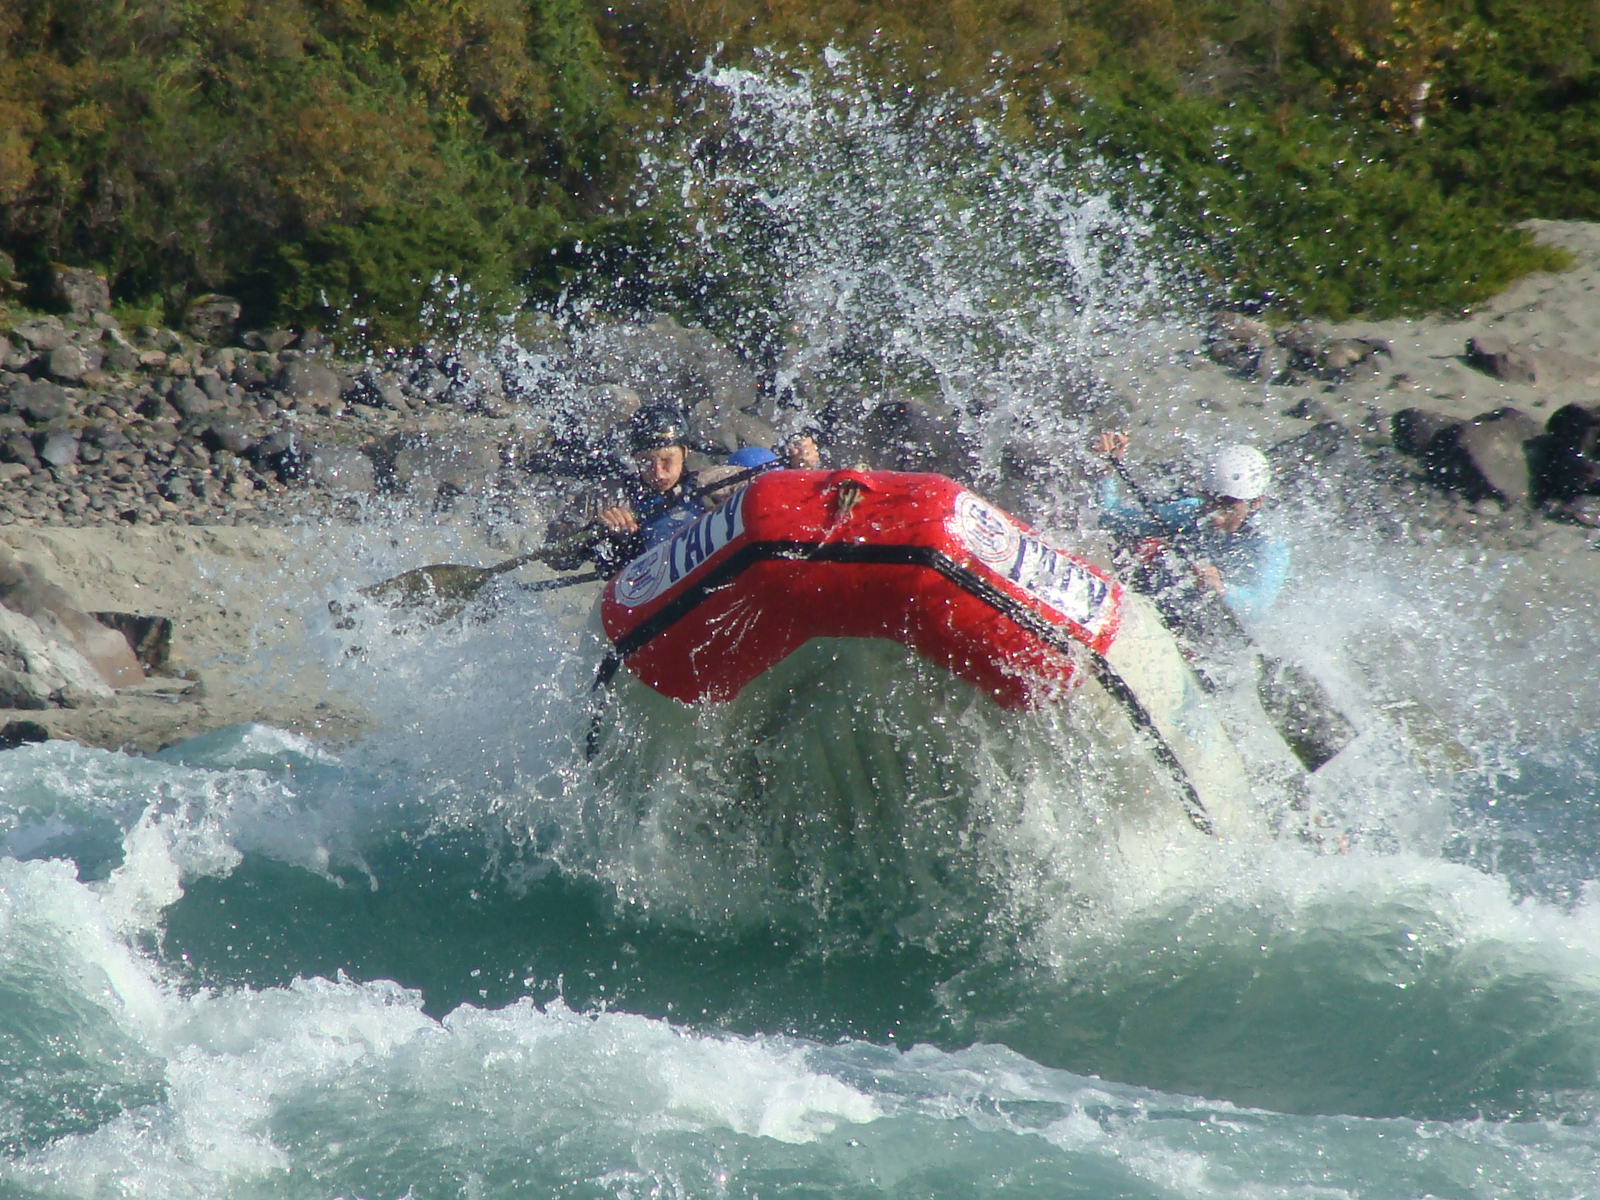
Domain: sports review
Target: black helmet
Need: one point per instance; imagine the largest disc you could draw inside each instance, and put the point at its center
(656, 426)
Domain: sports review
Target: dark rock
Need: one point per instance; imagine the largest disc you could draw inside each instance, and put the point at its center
(42, 335)
(189, 400)
(211, 318)
(313, 339)
(119, 353)
(40, 401)
(428, 382)
(1584, 510)
(281, 454)
(149, 637)
(343, 470)
(1341, 357)
(309, 382)
(1308, 409)
(1485, 457)
(1571, 459)
(59, 448)
(216, 391)
(1496, 356)
(108, 437)
(1524, 364)
(1272, 364)
(1415, 428)
(268, 340)
(225, 433)
(377, 389)
(83, 291)
(1237, 341)
(18, 448)
(159, 411)
(194, 456)
(22, 733)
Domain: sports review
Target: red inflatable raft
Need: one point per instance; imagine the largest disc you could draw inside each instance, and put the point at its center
(796, 555)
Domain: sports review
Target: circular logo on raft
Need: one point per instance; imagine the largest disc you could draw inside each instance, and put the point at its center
(657, 569)
(987, 531)
(643, 578)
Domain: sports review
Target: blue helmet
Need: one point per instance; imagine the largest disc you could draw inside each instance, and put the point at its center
(751, 456)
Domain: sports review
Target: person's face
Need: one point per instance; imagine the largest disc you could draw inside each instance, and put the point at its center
(802, 454)
(1228, 514)
(661, 469)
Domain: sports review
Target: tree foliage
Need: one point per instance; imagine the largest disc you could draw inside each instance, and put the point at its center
(335, 161)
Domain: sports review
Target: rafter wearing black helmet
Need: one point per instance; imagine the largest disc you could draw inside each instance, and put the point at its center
(658, 499)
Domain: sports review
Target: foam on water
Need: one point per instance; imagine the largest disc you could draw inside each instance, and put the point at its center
(343, 1088)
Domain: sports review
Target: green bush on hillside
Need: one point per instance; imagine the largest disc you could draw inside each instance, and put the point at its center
(358, 163)
(1299, 213)
(328, 160)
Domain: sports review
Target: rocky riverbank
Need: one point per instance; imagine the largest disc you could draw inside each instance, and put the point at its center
(151, 470)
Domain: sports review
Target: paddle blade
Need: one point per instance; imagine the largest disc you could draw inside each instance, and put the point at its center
(1303, 713)
(1436, 747)
(441, 586)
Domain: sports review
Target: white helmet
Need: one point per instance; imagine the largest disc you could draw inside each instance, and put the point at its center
(1238, 472)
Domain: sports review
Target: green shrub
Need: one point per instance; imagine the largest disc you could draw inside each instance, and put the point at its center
(269, 148)
(1302, 213)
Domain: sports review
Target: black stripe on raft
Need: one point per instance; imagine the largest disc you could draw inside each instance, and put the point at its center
(934, 560)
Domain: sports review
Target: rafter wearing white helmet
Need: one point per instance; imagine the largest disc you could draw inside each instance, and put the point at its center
(1238, 473)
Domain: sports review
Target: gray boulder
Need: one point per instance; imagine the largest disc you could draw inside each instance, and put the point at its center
(39, 401)
(1414, 429)
(189, 400)
(343, 470)
(281, 453)
(1237, 341)
(67, 363)
(25, 593)
(424, 467)
(1487, 457)
(19, 448)
(38, 672)
(1496, 356)
(119, 353)
(1513, 363)
(211, 318)
(216, 391)
(60, 447)
(83, 291)
(270, 341)
(309, 382)
(224, 433)
(43, 334)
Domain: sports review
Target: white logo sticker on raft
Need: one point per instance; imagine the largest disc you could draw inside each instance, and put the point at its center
(987, 531)
(1049, 575)
(657, 569)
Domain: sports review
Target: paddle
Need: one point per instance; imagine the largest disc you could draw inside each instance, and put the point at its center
(1298, 706)
(449, 587)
